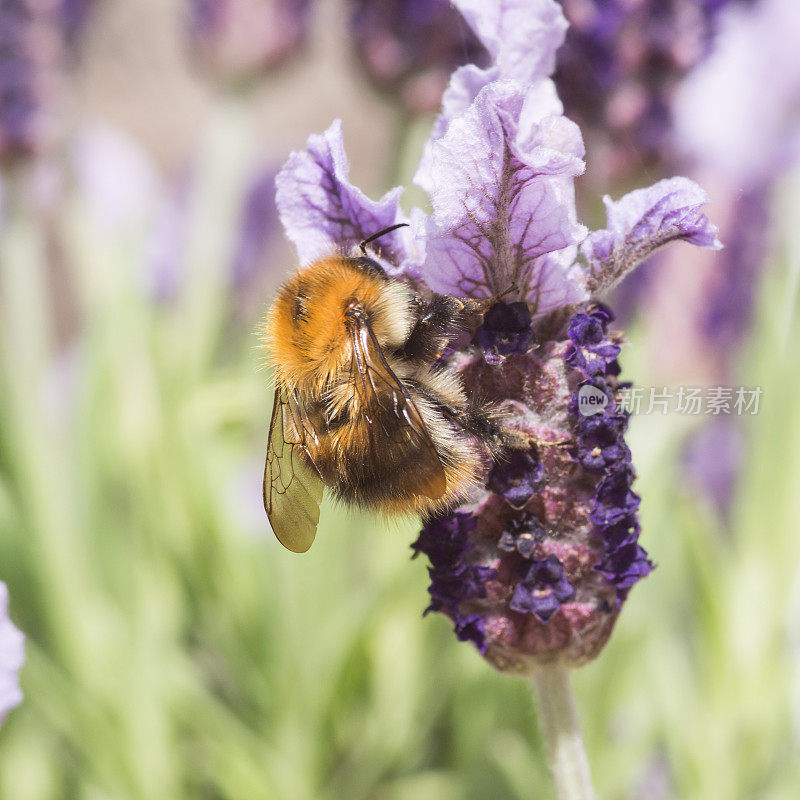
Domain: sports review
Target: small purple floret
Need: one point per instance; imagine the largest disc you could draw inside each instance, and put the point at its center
(454, 581)
(600, 442)
(614, 498)
(590, 351)
(517, 478)
(521, 535)
(543, 589)
(506, 329)
(624, 567)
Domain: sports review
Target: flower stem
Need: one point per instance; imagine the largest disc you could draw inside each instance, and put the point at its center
(562, 734)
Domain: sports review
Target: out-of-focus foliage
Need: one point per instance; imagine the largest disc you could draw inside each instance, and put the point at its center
(175, 650)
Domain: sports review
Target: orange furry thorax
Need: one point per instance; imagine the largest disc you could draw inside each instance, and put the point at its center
(306, 330)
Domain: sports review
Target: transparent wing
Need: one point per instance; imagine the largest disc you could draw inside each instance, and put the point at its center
(292, 487)
(386, 403)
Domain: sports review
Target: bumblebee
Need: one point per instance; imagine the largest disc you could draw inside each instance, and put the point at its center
(363, 404)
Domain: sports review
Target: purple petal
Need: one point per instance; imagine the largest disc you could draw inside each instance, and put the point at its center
(322, 211)
(542, 589)
(521, 35)
(561, 281)
(641, 222)
(502, 194)
(517, 478)
(626, 566)
(466, 84)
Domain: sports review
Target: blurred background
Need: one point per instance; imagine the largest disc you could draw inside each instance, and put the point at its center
(174, 649)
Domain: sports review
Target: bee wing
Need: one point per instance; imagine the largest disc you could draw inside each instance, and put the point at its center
(292, 487)
(377, 386)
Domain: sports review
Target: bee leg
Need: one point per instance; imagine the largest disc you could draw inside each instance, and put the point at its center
(443, 319)
(439, 321)
(484, 421)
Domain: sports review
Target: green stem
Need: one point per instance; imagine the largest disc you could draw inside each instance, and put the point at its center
(559, 721)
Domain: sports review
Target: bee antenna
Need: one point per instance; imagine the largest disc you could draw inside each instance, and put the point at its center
(378, 235)
(511, 289)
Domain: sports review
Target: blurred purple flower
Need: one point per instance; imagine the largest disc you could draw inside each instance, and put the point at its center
(257, 227)
(753, 77)
(537, 564)
(239, 39)
(408, 48)
(116, 176)
(619, 68)
(35, 38)
(74, 14)
(12, 656)
(712, 459)
(742, 149)
(165, 261)
(30, 51)
(728, 312)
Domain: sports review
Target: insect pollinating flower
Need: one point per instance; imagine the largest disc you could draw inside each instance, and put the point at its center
(463, 367)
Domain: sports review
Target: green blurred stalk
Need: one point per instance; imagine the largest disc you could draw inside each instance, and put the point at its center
(35, 443)
(562, 733)
(224, 169)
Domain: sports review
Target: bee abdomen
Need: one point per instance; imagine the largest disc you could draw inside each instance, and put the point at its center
(376, 466)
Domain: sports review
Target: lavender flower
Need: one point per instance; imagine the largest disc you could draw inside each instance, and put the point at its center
(239, 39)
(258, 225)
(30, 52)
(620, 66)
(408, 48)
(712, 460)
(752, 136)
(74, 14)
(12, 656)
(36, 42)
(537, 564)
(742, 151)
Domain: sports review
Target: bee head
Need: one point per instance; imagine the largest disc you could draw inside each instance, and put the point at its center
(309, 327)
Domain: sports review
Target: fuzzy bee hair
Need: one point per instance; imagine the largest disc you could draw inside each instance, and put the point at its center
(363, 405)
